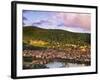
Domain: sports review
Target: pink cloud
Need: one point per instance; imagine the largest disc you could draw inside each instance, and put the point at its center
(76, 20)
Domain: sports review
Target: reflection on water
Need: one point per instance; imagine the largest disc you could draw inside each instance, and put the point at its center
(74, 65)
(57, 64)
(54, 64)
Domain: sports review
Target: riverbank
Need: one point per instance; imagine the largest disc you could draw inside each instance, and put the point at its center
(49, 55)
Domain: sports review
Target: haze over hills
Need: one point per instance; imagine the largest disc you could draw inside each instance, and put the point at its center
(61, 27)
(75, 22)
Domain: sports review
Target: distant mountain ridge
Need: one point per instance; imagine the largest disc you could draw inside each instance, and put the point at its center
(65, 28)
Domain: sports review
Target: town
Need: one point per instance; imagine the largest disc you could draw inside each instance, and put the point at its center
(72, 55)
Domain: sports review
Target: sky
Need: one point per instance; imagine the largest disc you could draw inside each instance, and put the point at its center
(74, 22)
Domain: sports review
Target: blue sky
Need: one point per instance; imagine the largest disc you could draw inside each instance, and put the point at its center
(75, 22)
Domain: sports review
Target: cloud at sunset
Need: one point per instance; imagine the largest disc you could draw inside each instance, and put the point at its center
(76, 22)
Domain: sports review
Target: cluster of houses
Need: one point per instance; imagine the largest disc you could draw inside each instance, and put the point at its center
(72, 55)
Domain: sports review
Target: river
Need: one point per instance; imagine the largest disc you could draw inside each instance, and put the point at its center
(57, 64)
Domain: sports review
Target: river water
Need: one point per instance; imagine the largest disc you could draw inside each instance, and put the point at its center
(57, 64)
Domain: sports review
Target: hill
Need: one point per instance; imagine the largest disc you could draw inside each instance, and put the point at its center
(52, 37)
